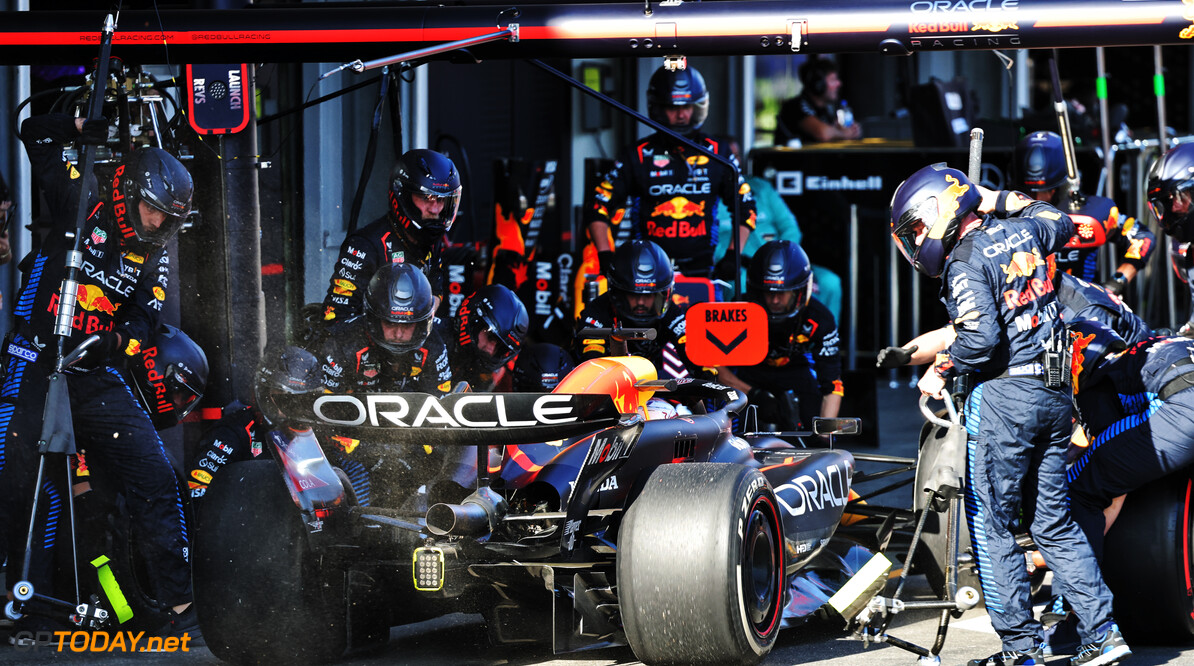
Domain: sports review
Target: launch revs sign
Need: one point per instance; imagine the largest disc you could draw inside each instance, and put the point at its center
(217, 102)
(458, 418)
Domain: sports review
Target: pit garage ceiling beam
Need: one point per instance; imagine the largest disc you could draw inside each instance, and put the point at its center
(338, 33)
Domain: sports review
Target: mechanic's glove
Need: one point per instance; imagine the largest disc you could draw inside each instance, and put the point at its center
(894, 357)
(98, 354)
(1187, 329)
(1117, 285)
(724, 270)
(605, 261)
(95, 132)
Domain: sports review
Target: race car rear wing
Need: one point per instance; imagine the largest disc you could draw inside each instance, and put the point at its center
(465, 419)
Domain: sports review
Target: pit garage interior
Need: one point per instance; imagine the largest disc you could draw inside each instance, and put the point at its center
(275, 199)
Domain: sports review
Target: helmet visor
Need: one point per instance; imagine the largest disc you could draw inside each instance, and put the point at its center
(429, 211)
(913, 227)
(401, 336)
(183, 391)
(1170, 203)
(153, 224)
(643, 309)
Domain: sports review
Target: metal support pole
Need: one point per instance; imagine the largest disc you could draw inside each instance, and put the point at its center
(1105, 120)
(852, 332)
(893, 293)
(1159, 91)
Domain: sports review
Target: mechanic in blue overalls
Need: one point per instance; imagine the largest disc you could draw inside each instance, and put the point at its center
(990, 248)
(1169, 191)
(122, 285)
(1040, 162)
(1135, 403)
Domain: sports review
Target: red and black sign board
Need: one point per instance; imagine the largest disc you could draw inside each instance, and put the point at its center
(733, 333)
(217, 103)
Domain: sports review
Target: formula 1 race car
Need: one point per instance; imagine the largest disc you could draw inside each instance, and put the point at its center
(593, 523)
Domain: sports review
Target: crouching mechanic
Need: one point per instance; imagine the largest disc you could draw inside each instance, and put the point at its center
(486, 337)
(1135, 403)
(802, 354)
(1018, 416)
(393, 348)
(121, 287)
(640, 296)
(242, 433)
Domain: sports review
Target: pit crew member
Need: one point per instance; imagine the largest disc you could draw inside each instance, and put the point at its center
(673, 191)
(1018, 416)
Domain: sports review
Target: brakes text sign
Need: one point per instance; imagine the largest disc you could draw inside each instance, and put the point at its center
(733, 333)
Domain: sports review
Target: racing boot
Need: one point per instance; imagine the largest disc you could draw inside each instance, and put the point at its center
(1033, 657)
(1056, 611)
(1108, 648)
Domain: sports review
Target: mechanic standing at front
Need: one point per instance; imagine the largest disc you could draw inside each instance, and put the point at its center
(1170, 194)
(121, 289)
(990, 248)
(672, 189)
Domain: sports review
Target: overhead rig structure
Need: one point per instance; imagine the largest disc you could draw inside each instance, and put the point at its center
(333, 32)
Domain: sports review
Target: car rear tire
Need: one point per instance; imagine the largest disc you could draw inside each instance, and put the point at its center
(1148, 562)
(700, 568)
(261, 593)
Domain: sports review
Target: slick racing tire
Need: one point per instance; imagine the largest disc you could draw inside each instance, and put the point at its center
(1148, 562)
(261, 593)
(700, 568)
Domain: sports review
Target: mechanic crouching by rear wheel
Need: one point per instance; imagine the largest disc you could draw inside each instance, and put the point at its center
(989, 248)
(121, 288)
(1135, 404)
(392, 348)
(802, 355)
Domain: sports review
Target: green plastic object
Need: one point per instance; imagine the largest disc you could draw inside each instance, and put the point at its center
(107, 581)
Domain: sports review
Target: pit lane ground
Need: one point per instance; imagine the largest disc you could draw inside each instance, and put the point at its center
(461, 639)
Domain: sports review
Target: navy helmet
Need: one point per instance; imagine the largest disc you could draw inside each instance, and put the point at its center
(430, 174)
(400, 294)
(1040, 162)
(678, 87)
(496, 310)
(158, 179)
(934, 201)
(778, 266)
(641, 267)
(169, 375)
